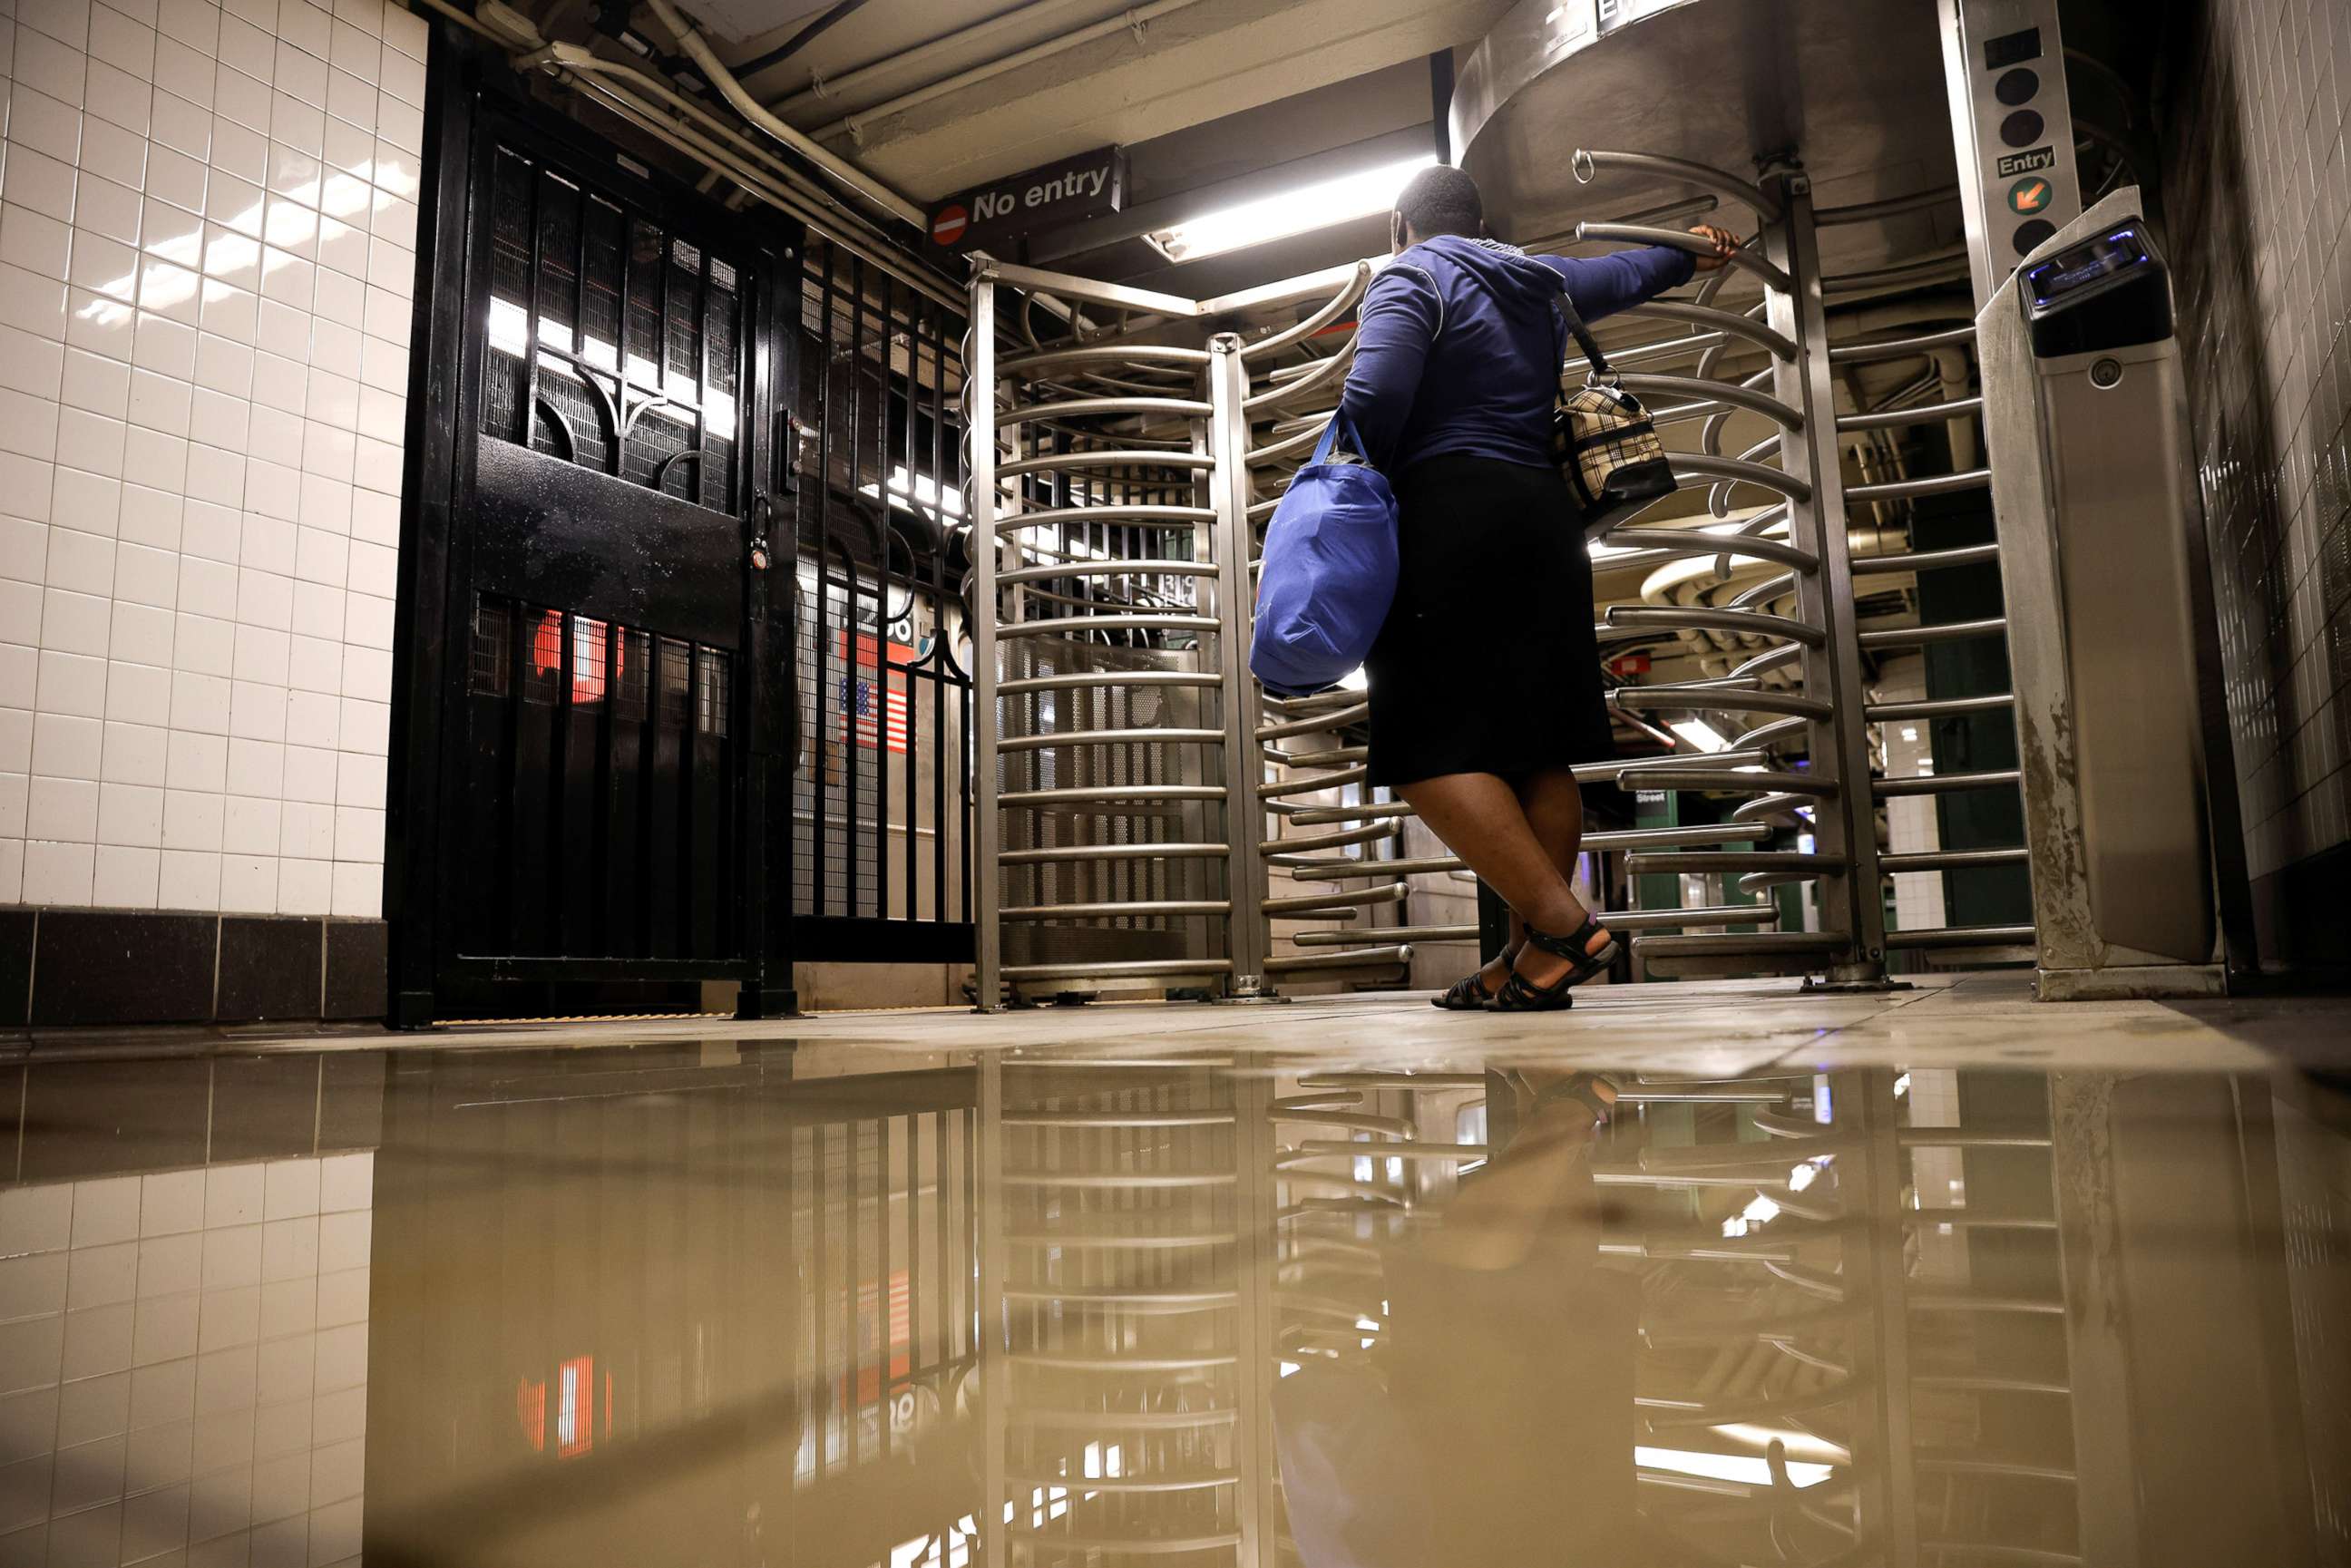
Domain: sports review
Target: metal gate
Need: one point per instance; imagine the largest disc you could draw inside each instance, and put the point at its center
(588, 622)
(884, 783)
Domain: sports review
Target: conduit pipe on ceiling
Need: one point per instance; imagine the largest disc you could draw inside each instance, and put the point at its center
(1133, 19)
(824, 88)
(750, 166)
(848, 174)
(685, 139)
(746, 162)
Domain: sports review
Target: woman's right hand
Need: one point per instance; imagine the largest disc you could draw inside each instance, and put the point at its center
(1726, 244)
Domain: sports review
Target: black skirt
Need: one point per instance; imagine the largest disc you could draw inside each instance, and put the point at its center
(1487, 663)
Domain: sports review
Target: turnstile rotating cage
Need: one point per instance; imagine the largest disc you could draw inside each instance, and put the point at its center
(1097, 853)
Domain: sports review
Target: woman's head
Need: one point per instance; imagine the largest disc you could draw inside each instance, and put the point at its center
(1439, 199)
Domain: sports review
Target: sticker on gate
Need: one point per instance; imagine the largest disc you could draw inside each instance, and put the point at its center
(868, 718)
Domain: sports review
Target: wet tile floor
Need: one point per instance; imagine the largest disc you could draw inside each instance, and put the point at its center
(1943, 1277)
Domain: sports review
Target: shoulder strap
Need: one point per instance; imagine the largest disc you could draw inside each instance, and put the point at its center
(1565, 307)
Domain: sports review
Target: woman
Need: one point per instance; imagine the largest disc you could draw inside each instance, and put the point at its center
(1485, 681)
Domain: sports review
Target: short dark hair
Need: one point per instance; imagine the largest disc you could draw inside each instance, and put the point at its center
(1441, 200)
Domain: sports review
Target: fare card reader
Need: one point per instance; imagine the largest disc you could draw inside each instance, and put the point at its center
(2110, 634)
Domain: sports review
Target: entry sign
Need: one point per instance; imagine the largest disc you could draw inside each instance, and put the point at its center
(1086, 185)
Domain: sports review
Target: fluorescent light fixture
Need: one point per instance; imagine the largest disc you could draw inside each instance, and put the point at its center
(1699, 734)
(1753, 1470)
(1796, 1442)
(1298, 211)
(921, 493)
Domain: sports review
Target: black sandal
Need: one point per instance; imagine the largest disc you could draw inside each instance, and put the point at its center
(1520, 995)
(1469, 994)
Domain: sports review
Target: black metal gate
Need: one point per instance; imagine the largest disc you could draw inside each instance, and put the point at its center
(881, 865)
(589, 657)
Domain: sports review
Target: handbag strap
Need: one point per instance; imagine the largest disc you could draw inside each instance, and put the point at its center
(1565, 307)
(1339, 436)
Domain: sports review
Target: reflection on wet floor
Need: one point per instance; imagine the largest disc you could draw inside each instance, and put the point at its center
(761, 1302)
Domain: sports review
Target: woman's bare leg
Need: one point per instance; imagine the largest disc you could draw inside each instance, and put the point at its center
(1480, 819)
(1553, 803)
(1522, 843)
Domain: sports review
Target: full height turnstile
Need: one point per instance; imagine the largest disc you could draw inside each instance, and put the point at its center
(1126, 481)
(1150, 818)
(1118, 823)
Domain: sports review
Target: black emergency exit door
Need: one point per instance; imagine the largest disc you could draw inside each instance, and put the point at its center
(586, 814)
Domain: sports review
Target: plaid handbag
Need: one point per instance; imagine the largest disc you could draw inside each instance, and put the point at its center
(1603, 441)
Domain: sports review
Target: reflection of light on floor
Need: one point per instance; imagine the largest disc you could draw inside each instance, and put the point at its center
(1797, 1443)
(1751, 1468)
(926, 1551)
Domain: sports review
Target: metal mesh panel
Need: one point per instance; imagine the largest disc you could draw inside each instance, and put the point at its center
(882, 794)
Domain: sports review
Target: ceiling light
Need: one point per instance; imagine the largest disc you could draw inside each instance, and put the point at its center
(1753, 1470)
(1698, 733)
(1804, 1444)
(1297, 211)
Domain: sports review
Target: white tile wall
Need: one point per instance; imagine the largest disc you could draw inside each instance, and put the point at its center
(183, 1366)
(207, 222)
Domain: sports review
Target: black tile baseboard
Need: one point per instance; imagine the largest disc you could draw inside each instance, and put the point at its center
(107, 966)
(66, 967)
(2300, 915)
(270, 968)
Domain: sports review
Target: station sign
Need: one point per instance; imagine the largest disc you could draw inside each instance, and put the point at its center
(1050, 196)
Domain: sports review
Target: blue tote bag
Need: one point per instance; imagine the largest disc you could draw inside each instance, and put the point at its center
(1330, 572)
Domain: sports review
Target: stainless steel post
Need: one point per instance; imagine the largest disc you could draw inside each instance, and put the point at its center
(1844, 826)
(1870, 1182)
(1244, 886)
(979, 427)
(1257, 1276)
(989, 1344)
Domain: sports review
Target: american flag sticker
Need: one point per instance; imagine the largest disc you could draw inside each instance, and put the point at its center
(864, 720)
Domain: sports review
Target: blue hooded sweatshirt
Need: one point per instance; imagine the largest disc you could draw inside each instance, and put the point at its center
(1459, 349)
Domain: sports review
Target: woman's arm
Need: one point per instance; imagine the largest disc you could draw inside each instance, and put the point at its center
(1600, 286)
(1398, 322)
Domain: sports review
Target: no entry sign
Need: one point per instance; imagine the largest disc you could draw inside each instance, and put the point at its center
(1086, 185)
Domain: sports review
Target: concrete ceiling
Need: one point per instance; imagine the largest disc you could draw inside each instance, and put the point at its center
(1200, 62)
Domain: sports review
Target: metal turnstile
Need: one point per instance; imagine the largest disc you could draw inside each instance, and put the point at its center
(2102, 549)
(1803, 372)
(1845, 330)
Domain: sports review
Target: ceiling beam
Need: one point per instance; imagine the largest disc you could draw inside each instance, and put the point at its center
(1208, 60)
